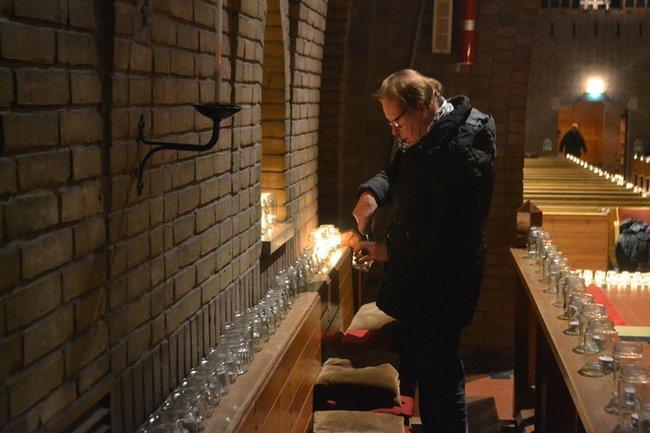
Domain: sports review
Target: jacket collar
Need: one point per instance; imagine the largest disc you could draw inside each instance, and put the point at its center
(439, 137)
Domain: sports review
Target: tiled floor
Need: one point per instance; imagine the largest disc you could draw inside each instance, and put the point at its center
(500, 388)
(631, 304)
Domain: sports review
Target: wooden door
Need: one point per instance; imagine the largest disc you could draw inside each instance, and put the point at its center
(589, 117)
(612, 151)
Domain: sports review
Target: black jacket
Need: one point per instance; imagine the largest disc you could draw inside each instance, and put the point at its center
(573, 144)
(633, 246)
(442, 187)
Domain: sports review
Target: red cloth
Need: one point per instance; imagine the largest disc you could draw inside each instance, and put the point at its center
(368, 339)
(639, 214)
(331, 337)
(601, 298)
(405, 410)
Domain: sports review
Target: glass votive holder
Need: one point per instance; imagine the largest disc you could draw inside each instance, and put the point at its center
(162, 426)
(631, 383)
(178, 407)
(588, 312)
(283, 282)
(547, 254)
(224, 357)
(279, 297)
(363, 266)
(551, 261)
(241, 349)
(576, 301)
(533, 233)
(644, 416)
(200, 374)
(600, 338)
(292, 277)
(626, 353)
(574, 284)
(559, 266)
(273, 320)
(204, 391)
(218, 371)
(543, 239)
(599, 278)
(564, 284)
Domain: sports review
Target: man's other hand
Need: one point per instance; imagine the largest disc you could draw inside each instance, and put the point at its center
(371, 251)
(350, 238)
(364, 210)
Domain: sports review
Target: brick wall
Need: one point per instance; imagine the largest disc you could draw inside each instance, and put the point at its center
(307, 32)
(379, 42)
(54, 332)
(104, 291)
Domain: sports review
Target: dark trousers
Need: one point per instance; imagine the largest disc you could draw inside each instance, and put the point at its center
(431, 359)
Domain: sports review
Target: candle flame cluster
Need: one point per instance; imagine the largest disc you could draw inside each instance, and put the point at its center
(269, 204)
(616, 280)
(325, 240)
(614, 178)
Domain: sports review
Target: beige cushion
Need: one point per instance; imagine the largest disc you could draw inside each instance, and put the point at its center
(343, 421)
(370, 316)
(358, 388)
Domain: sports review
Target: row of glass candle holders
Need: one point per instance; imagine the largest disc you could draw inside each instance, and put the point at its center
(614, 178)
(598, 342)
(186, 409)
(616, 280)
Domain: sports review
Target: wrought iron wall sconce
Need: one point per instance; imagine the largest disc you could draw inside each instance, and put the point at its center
(215, 112)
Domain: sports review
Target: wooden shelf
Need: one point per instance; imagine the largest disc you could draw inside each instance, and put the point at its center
(543, 356)
(284, 371)
(280, 234)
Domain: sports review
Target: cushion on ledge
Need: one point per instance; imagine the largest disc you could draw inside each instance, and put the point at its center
(357, 388)
(370, 316)
(343, 421)
(360, 357)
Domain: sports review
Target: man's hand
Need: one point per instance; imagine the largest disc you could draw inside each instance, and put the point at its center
(371, 251)
(364, 210)
(350, 238)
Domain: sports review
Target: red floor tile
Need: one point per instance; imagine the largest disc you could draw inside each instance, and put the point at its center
(500, 389)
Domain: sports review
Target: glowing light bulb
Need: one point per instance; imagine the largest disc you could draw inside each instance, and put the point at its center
(595, 88)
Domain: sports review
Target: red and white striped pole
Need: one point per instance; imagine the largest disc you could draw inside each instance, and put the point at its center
(467, 40)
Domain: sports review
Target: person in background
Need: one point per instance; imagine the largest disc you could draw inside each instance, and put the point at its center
(441, 180)
(572, 143)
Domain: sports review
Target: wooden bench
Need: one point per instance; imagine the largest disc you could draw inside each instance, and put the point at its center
(580, 208)
(582, 235)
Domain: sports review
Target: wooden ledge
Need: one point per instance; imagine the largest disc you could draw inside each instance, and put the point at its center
(244, 393)
(280, 234)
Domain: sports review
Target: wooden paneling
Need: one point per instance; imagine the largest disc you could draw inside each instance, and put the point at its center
(275, 390)
(346, 296)
(283, 387)
(582, 237)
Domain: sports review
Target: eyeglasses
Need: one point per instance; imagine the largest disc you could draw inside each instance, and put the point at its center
(393, 123)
